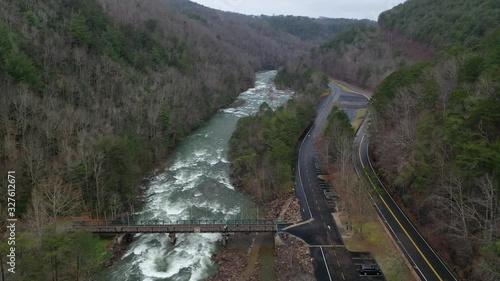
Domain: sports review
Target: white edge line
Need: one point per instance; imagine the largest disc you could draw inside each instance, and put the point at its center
(300, 152)
(326, 264)
(409, 222)
(392, 199)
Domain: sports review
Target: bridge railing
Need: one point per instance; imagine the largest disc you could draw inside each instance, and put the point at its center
(174, 222)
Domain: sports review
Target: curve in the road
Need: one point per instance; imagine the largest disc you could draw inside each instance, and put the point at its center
(427, 263)
(332, 263)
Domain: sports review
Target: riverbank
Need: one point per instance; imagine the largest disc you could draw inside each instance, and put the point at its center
(195, 185)
(259, 257)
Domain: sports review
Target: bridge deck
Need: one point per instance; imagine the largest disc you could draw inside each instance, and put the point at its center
(183, 226)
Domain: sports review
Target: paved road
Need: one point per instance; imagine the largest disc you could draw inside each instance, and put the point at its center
(332, 260)
(426, 262)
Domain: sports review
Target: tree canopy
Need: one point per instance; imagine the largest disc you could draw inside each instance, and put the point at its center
(262, 148)
(443, 23)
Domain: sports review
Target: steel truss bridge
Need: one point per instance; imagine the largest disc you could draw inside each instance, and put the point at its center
(181, 226)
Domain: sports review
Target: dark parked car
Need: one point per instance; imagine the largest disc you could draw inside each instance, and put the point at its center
(369, 269)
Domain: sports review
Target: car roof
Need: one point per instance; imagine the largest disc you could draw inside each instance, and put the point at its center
(369, 266)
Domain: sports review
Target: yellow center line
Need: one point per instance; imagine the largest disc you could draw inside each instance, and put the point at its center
(343, 277)
(392, 213)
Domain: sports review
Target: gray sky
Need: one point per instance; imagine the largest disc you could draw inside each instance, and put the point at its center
(357, 9)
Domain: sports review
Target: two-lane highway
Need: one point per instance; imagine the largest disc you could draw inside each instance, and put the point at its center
(333, 261)
(427, 264)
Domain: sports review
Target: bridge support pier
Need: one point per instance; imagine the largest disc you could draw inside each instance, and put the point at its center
(224, 239)
(278, 241)
(124, 238)
(173, 238)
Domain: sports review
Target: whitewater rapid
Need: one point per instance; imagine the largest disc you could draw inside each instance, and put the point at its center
(195, 185)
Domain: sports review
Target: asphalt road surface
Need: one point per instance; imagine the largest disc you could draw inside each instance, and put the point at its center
(332, 261)
(425, 261)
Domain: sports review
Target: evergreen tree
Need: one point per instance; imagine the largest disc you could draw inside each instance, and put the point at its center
(79, 29)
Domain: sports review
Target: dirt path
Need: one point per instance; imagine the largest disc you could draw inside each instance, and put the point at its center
(252, 259)
(285, 208)
(244, 260)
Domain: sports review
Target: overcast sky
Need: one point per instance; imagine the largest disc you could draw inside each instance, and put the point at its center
(357, 9)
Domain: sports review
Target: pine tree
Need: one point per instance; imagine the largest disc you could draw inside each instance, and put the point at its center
(79, 29)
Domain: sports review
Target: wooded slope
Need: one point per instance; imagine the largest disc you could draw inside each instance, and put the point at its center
(436, 141)
(95, 92)
(435, 130)
(98, 90)
(443, 23)
(262, 149)
(266, 41)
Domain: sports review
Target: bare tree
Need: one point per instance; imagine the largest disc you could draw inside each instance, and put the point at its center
(445, 74)
(59, 199)
(36, 218)
(485, 207)
(97, 166)
(456, 211)
(22, 105)
(34, 159)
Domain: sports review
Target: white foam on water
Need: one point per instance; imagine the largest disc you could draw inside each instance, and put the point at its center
(188, 186)
(174, 209)
(229, 110)
(148, 266)
(215, 208)
(191, 251)
(186, 176)
(198, 157)
(200, 153)
(138, 250)
(226, 182)
(151, 256)
(212, 161)
(181, 164)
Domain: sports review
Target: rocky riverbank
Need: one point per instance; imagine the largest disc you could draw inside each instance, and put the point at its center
(245, 257)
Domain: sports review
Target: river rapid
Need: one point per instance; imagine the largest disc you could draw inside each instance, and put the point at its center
(195, 185)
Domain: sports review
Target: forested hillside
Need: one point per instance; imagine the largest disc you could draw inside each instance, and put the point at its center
(262, 148)
(101, 89)
(95, 92)
(364, 54)
(443, 23)
(436, 141)
(266, 41)
(434, 120)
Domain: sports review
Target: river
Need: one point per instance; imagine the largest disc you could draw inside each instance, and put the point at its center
(195, 185)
